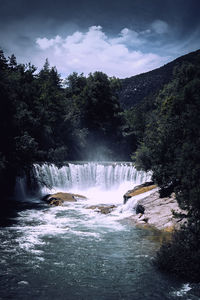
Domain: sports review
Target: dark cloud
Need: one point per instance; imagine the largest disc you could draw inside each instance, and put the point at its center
(108, 13)
(169, 28)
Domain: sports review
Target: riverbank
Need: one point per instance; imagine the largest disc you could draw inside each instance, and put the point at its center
(158, 212)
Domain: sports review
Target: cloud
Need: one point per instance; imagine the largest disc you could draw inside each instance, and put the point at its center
(160, 26)
(95, 51)
(128, 37)
(45, 43)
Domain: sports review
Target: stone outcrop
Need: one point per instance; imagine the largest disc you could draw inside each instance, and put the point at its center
(139, 189)
(58, 199)
(103, 209)
(158, 212)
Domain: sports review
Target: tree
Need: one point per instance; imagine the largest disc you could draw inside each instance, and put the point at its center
(102, 112)
(171, 150)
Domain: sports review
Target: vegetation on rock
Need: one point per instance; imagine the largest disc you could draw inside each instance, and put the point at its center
(136, 88)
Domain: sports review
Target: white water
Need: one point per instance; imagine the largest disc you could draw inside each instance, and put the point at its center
(89, 175)
(75, 252)
(101, 183)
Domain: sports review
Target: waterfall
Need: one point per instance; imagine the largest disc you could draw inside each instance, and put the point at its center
(101, 182)
(21, 188)
(86, 175)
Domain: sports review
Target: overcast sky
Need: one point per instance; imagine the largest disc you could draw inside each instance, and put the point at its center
(119, 37)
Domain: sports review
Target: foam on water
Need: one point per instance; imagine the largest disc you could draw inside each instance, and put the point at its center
(102, 184)
(132, 202)
(78, 248)
(185, 288)
(87, 254)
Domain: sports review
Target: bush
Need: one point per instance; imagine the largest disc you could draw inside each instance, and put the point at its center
(181, 256)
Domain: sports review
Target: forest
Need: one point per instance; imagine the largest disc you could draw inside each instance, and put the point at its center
(48, 119)
(170, 148)
(45, 118)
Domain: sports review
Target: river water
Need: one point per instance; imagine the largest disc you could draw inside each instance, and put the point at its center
(72, 252)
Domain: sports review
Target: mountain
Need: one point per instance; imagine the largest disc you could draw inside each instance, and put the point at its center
(136, 88)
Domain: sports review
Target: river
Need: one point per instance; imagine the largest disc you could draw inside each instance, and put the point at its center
(72, 252)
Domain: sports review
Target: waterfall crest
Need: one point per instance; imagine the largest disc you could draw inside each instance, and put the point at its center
(85, 175)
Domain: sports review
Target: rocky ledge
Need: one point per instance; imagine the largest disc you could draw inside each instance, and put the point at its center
(139, 189)
(103, 209)
(59, 198)
(157, 212)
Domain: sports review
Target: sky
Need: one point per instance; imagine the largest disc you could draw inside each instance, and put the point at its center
(119, 37)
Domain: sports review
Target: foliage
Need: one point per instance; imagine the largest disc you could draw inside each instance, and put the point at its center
(46, 119)
(139, 87)
(181, 256)
(172, 137)
(170, 148)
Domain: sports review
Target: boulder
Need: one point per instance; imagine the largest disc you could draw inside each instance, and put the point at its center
(57, 199)
(139, 189)
(56, 202)
(103, 209)
(158, 212)
(139, 209)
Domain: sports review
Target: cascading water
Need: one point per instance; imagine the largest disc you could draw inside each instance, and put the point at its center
(82, 176)
(20, 188)
(74, 251)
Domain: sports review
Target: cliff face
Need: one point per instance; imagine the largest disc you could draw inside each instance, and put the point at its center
(136, 88)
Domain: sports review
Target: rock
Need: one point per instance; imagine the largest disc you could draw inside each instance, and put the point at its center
(139, 189)
(104, 209)
(45, 198)
(56, 202)
(58, 198)
(143, 219)
(139, 209)
(159, 212)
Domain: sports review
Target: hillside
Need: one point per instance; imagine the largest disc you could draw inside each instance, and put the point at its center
(169, 147)
(136, 88)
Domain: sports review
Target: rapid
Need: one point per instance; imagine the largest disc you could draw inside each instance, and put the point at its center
(72, 252)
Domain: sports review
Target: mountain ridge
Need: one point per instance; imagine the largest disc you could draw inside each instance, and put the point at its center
(136, 88)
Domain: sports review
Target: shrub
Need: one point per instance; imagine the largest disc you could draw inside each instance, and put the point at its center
(181, 256)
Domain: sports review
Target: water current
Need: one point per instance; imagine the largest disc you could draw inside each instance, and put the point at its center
(72, 252)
